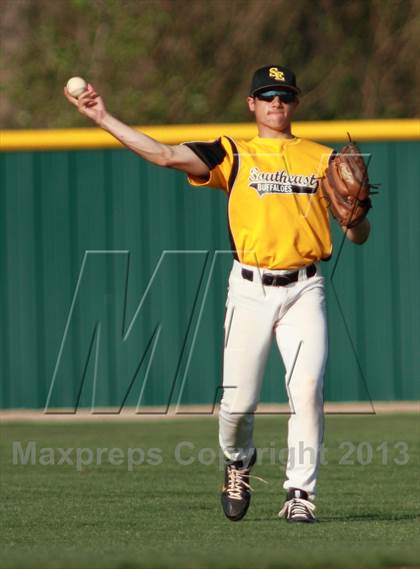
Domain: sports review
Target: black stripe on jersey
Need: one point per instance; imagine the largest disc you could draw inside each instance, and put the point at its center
(235, 164)
(232, 242)
(211, 153)
(231, 181)
(332, 156)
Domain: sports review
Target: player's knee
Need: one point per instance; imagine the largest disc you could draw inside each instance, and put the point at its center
(306, 394)
(238, 411)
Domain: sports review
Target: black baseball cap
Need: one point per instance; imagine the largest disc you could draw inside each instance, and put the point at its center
(273, 76)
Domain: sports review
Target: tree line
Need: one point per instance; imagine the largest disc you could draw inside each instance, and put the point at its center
(179, 61)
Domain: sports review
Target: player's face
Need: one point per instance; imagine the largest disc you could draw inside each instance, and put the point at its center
(273, 111)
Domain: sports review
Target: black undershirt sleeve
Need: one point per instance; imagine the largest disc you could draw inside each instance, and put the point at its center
(211, 153)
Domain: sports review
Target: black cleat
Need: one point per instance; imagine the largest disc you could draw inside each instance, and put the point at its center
(236, 493)
(297, 507)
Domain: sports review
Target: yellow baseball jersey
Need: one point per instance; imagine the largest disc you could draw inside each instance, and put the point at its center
(277, 216)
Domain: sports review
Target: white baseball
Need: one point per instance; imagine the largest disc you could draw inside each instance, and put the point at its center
(76, 86)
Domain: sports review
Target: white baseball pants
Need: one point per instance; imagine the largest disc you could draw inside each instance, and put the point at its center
(295, 314)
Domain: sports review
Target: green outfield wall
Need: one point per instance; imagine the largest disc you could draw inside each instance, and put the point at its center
(113, 284)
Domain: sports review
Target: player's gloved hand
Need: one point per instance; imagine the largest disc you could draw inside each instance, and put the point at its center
(346, 186)
(89, 104)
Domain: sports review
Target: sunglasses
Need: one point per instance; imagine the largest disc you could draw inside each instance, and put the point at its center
(284, 96)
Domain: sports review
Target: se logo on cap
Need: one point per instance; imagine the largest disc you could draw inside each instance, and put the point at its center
(276, 74)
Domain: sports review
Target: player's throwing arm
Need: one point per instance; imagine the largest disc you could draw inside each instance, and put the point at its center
(90, 104)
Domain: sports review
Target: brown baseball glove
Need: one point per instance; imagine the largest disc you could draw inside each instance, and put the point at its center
(346, 186)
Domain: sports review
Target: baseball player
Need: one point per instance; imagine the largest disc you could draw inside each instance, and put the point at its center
(279, 230)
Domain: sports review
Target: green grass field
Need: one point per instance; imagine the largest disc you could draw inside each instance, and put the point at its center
(169, 515)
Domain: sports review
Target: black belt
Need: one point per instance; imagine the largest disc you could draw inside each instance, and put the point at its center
(279, 280)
